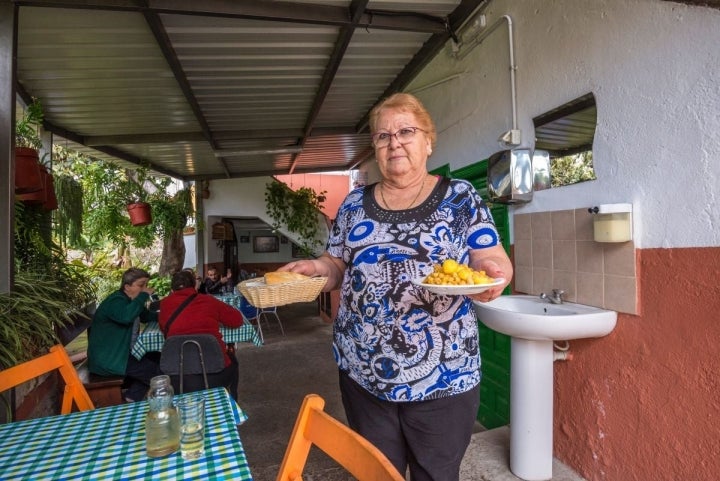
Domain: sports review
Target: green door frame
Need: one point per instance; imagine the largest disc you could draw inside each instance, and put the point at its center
(494, 408)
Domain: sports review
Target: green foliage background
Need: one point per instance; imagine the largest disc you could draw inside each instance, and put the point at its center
(571, 169)
(297, 210)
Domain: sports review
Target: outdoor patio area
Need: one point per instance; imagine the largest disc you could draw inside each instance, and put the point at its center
(274, 379)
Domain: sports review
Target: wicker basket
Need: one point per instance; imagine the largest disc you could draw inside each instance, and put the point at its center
(262, 295)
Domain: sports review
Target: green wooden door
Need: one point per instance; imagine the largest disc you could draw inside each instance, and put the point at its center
(494, 408)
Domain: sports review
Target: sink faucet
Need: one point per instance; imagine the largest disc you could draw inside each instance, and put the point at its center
(555, 298)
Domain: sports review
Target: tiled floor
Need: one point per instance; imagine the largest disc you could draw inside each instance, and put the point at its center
(274, 379)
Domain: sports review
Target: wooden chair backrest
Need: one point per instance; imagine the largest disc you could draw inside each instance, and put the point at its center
(350, 450)
(58, 359)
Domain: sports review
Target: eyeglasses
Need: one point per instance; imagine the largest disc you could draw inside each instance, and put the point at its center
(404, 136)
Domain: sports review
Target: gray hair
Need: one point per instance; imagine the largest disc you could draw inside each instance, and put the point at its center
(131, 275)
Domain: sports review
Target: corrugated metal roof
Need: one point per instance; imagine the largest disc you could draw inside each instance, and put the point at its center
(175, 85)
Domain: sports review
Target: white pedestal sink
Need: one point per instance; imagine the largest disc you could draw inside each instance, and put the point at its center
(534, 324)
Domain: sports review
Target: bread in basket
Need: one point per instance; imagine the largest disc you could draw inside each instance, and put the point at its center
(281, 288)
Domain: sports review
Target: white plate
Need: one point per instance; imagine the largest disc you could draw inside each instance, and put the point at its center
(454, 290)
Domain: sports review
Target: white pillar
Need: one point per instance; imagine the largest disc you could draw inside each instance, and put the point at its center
(531, 409)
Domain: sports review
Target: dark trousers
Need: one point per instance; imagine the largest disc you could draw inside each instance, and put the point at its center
(138, 375)
(429, 437)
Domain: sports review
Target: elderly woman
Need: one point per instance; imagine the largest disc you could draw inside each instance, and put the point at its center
(409, 359)
(113, 331)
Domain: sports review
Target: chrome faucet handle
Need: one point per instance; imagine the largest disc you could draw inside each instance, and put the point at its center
(556, 297)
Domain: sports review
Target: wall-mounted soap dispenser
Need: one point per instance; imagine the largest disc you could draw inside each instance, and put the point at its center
(612, 222)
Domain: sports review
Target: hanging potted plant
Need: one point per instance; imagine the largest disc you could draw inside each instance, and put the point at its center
(138, 209)
(28, 173)
(140, 213)
(45, 196)
(39, 196)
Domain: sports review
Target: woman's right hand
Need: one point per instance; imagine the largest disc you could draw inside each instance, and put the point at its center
(325, 266)
(307, 267)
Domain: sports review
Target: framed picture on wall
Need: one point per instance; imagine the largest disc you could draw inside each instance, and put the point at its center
(244, 239)
(266, 243)
(296, 251)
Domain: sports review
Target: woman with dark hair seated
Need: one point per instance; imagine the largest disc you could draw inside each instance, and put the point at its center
(202, 314)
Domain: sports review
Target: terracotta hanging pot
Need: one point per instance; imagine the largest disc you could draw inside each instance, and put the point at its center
(51, 202)
(204, 189)
(39, 196)
(139, 213)
(28, 177)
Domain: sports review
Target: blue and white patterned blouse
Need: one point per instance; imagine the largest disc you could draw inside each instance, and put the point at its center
(399, 341)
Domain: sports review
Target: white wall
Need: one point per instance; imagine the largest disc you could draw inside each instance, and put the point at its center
(237, 198)
(654, 68)
(243, 198)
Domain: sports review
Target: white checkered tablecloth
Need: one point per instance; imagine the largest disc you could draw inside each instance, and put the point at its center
(152, 339)
(109, 443)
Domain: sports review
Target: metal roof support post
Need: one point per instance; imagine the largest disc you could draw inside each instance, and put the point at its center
(8, 45)
(200, 233)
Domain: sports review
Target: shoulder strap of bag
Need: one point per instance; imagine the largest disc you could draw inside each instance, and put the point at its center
(177, 311)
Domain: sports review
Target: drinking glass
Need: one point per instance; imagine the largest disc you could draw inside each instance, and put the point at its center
(192, 426)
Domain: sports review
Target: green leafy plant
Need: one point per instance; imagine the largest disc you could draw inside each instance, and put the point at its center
(69, 216)
(571, 169)
(296, 210)
(171, 213)
(37, 253)
(30, 316)
(69, 192)
(108, 188)
(27, 128)
(105, 276)
(161, 284)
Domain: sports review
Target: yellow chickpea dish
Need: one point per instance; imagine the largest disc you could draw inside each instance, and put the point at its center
(451, 273)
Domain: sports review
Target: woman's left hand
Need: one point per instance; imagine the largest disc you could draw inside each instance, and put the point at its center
(495, 262)
(489, 295)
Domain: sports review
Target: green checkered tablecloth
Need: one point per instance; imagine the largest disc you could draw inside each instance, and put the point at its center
(109, 443)
(152, 339)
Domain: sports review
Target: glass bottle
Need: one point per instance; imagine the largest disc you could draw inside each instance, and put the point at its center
(162, 423)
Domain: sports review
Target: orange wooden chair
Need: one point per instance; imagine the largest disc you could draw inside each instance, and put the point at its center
(350, 450)
(58, 359)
